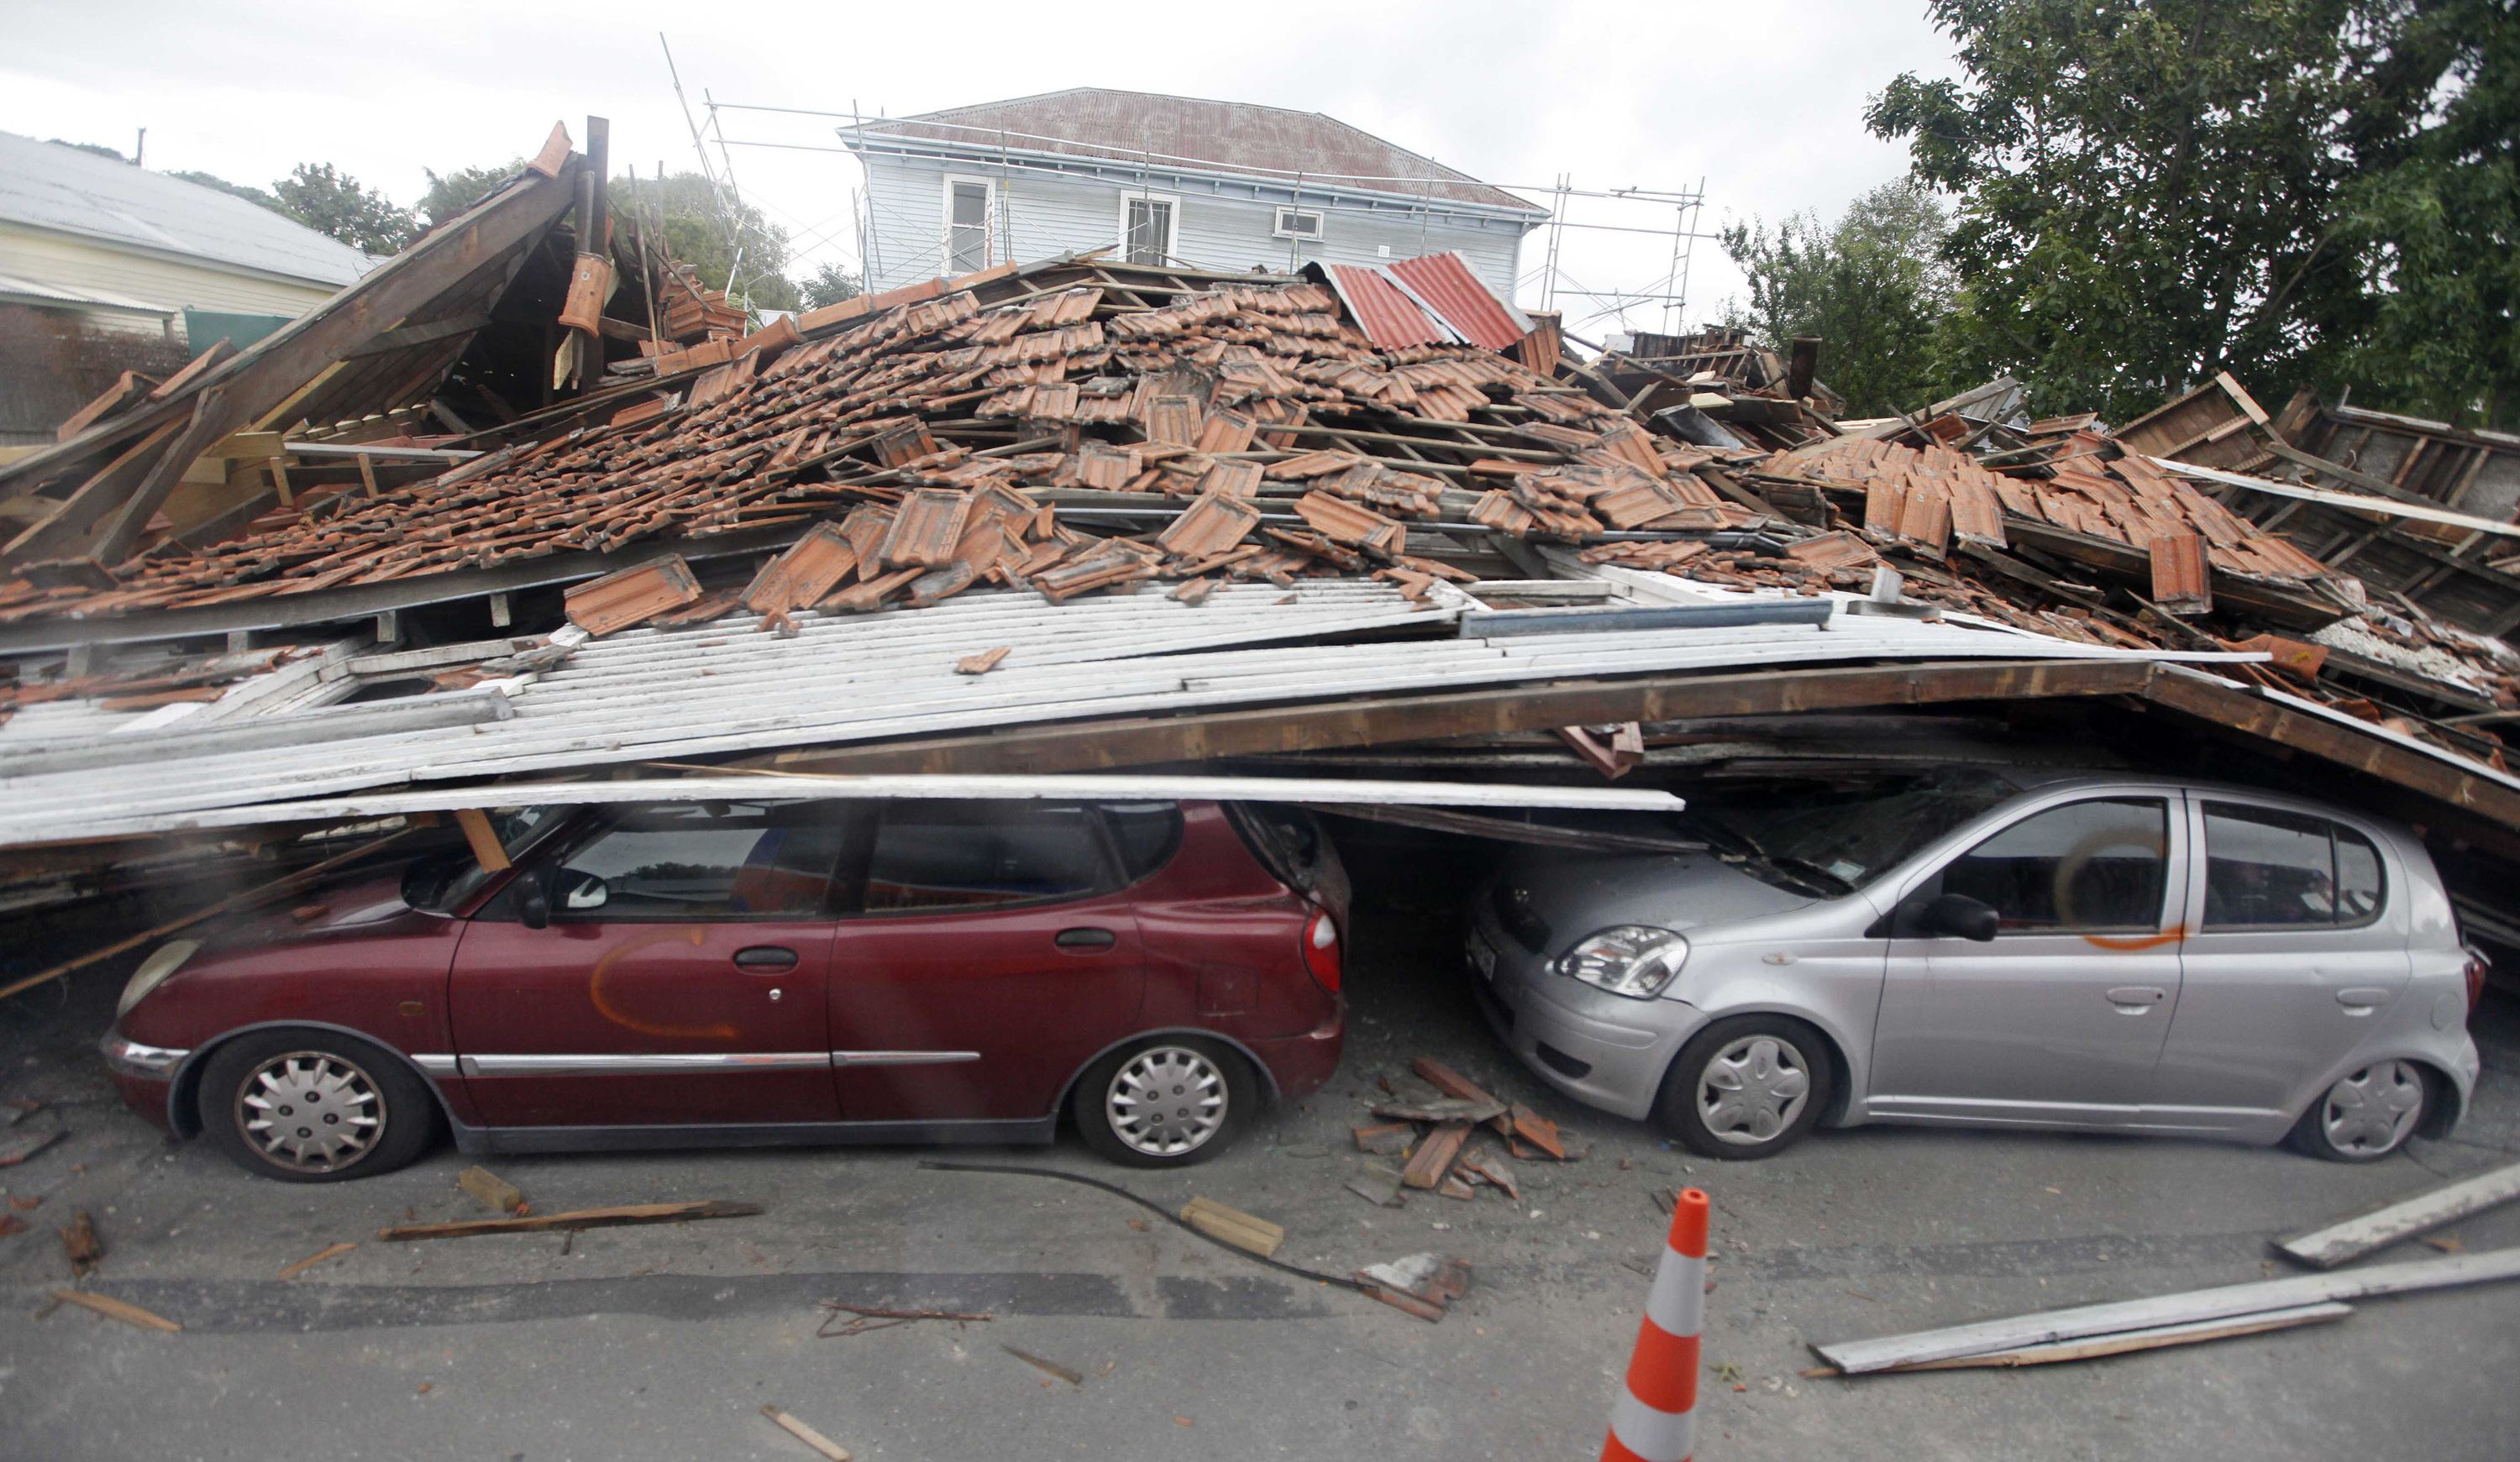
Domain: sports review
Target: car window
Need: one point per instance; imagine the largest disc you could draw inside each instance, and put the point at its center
(703, 861)
(2087, 867)
(936, 856)
(1852, 836)
(2270, 869)
(1146, 834)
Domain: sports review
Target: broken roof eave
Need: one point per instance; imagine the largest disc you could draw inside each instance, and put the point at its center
(1120, 167)
(327, 334)
(789, 787)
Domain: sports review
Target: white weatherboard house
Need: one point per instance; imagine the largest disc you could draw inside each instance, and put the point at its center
(1196, 184)
(123, 248)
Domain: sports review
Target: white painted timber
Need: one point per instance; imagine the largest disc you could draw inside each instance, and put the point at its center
(772, 786)
(2326, 1247)
(2254, 1298)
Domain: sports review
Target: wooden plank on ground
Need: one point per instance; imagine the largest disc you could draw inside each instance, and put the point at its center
(118, 1309)
(2128, 1341)
(822, 1444)
(574, 1220)
(2328, 1247)
(2085, 1321)
(1233, 1226)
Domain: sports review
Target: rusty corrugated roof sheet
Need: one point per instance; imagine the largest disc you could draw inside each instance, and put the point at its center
(1448, 285)
(1382, 309)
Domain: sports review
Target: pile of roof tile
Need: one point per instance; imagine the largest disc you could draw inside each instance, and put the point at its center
(933, 435)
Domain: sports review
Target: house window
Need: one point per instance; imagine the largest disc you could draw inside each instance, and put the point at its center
(1149, 227)
(966, 224)
(1298, 223)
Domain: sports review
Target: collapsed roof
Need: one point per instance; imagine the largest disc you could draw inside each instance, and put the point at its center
(1082, 514)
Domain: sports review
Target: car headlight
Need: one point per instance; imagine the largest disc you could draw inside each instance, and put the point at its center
(1637, 960)
(167, 959)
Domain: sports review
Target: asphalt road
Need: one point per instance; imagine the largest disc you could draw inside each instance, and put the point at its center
(664, 1342)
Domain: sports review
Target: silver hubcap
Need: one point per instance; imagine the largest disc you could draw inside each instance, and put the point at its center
(1753, 1089)
(310, 1112)
(2372, 1110)
(1166, 1101)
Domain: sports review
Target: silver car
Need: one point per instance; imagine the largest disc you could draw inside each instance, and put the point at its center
(2096, 953)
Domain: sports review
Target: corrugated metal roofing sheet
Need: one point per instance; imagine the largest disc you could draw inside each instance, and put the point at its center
(1446, 284)
(650, 693)
(1382, 309)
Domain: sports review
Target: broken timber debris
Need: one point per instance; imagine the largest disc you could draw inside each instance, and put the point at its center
(2338, 1243)
(822, 1446)
(581, 1218)
(1233, 1226)
(490, 1190)
(324, 1255)
(1047, 1367)
(2257, 1298)
(118, 1309)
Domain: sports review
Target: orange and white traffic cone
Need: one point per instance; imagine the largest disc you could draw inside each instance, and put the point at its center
(1655, 1417)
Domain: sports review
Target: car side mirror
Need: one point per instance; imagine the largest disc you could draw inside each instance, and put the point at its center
(1958, 916)
(583, 891)
(533, 901)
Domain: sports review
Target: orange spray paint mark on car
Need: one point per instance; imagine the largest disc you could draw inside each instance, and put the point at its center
(2131, 942)
(636, 941)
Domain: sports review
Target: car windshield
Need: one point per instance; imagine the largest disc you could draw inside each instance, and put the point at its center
(442, 881)
(1843, 839)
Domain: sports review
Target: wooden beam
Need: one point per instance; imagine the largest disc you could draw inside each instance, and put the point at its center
(210, 421)
(405, 336)
(279, 365)
(67, 525)
(1380, 720)
(2333, 741)
(477, 831)
(277, 888)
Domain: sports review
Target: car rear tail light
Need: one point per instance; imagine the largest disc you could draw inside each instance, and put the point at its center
(1321, 948)
(2476, 968)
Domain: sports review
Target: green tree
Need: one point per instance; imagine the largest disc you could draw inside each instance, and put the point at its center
(736, 242)
(2156, 190)
(256, 195)
(97, 148)
(331, 202)
(830, 284)
(450, 193)
(1872, 286)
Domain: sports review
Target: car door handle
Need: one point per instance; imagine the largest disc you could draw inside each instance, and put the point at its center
(1086, 939)
(2137, 998)
(766, 958)
(2361, 997)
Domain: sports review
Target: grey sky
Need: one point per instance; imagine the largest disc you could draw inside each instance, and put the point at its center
(1764, 102)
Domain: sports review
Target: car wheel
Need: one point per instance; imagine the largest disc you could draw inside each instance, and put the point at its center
(1165, 1102)
(2368, 1115)
(314, 1106)
(1747, 1087)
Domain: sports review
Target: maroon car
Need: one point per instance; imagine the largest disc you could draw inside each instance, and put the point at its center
(716, 973)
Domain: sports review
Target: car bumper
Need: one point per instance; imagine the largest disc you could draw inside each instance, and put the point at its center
(145, 1074)
(1301, 1065)
(1604, 1050)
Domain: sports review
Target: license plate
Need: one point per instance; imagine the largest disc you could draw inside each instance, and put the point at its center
(1482, 955)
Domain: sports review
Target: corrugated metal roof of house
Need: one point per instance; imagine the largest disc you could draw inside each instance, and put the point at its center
(1096, 121)
(48, 186)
